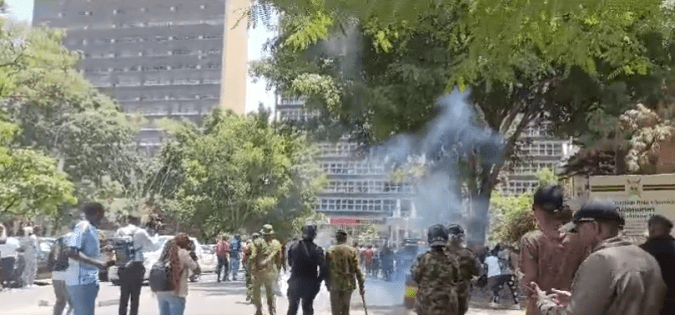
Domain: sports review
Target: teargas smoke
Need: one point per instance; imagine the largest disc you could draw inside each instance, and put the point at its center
(440, 150)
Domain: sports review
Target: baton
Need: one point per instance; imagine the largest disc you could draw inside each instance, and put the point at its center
(363, 298)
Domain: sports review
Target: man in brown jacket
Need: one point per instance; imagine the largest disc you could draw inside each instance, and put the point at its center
(549, 256)
(617, 278)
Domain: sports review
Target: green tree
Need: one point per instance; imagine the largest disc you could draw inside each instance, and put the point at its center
(512, 215)
(236, 172)
(578, 64)
(63, 115)
(32, 185)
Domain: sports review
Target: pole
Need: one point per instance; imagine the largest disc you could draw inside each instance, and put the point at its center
(363, 298)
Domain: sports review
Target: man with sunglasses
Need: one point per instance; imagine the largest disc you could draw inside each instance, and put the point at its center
(616, 278)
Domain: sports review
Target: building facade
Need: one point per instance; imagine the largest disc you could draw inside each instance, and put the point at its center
(540, 150)
(157, 58)
(358, 191)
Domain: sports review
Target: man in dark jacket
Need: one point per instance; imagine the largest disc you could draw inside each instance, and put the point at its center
(662, 246)
(304, 257)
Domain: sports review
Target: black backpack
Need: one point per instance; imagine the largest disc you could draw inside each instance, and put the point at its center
(58, 258)
(160, 277)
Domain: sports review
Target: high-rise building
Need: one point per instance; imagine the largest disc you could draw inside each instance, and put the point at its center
(358, 191)
(158, 58)
(540, 150)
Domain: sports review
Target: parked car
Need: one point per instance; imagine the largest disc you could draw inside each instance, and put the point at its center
(45, 245)
(207, 260)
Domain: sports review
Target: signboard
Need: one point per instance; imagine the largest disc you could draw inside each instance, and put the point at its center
(638, 196)
(344, 221)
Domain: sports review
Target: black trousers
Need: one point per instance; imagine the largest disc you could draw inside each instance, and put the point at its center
(223, 264)
(131, 282)
(305, 290)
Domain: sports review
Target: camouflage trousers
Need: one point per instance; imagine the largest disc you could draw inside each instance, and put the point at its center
(268, 281)
(249, 283)
(463, 296)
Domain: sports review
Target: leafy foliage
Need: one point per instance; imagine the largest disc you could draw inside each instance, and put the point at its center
(31, 186)
(237, 172)
(578, 64)
(513, 214)
(62, 114)
(647, 134)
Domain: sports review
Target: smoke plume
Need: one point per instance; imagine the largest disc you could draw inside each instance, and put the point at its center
(441, 148)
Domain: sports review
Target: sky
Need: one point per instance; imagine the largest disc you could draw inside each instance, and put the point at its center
(22, 10)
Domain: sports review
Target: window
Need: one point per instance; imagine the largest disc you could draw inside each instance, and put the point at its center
(353, 204)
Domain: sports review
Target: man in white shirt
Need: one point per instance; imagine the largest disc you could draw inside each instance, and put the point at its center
(132, 273)
(494, 271)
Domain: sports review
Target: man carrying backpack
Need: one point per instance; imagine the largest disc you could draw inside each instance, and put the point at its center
(57, 263)
(131, 242)
(222, 252)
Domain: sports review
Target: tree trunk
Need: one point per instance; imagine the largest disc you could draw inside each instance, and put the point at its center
(479, 219)
(620, 166)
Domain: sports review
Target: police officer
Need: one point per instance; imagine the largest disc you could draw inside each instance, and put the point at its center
(436, 274)
(468, 267)
(343, 274)
(304, 257)
(247, 266)
(264, 260)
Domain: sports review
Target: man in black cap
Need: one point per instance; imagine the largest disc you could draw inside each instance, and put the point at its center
(549, 256)
(616, 278)
(662, 246)
(305, 258)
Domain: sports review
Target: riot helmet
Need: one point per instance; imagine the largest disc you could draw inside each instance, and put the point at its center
(456, 233)
(309, 232)
(437, 235)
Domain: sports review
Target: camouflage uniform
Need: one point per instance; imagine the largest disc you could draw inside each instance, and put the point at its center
(247, 269)
(436, 274)
(468, 268)
(263, 260)
(343, 273)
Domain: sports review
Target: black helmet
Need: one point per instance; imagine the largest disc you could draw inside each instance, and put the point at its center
(309, 232)
(437, 235)
(455, 229)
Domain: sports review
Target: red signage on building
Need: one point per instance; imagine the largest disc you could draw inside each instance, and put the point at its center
(344, 221)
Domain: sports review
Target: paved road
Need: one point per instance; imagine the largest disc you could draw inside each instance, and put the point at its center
(210, 298)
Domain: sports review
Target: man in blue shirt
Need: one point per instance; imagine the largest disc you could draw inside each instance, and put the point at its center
(83, 260)
(235, 250)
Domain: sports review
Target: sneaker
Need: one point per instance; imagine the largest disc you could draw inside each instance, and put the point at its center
(515, 306)
(494, 305)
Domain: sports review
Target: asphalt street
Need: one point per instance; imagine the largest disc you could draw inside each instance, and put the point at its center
(209, 297)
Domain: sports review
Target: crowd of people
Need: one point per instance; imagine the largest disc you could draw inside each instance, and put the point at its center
(18, 258)
(574, 263)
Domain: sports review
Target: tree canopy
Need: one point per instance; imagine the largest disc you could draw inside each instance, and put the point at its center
(60, 113)
(31, 184)
(237, 172)
(382, 67)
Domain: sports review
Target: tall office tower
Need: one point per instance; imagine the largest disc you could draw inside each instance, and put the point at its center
(159, 58)
(358, 191)
(542, 150)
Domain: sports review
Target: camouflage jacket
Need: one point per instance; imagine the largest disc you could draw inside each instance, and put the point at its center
(436, 274)
(264, 256)
(343, 268)
(468, 268)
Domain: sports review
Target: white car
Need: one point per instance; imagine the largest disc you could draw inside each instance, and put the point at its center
(207, 261)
